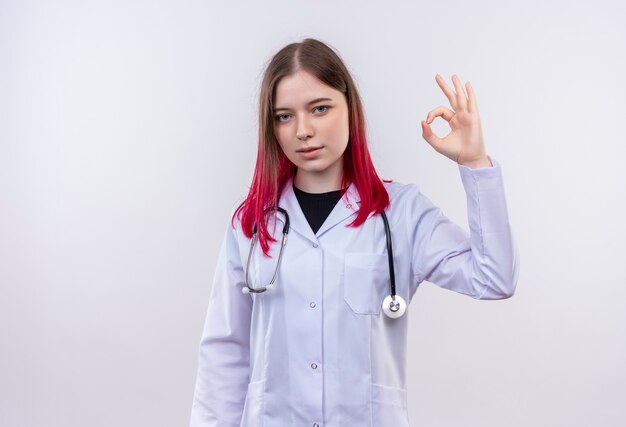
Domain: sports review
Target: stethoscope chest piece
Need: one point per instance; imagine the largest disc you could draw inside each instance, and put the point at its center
(394, 308)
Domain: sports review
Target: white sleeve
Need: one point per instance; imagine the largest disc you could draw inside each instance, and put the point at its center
(483, 264)
(224, 355)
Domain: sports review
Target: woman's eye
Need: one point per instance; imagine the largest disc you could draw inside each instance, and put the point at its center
(322, 106)
(280, 117)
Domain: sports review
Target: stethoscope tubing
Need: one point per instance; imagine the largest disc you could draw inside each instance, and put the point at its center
(392, 275)
(280, 254)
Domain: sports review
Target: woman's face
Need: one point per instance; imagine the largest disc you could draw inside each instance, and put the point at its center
(308, 115)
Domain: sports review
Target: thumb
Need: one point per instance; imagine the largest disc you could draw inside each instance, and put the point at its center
(429, 136)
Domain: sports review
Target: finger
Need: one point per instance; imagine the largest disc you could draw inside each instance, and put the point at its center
(473, 104)
(440, 111)
(461, 98)
(429, 136)
(446, 90)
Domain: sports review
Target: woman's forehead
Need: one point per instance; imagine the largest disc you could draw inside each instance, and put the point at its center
(301, 88)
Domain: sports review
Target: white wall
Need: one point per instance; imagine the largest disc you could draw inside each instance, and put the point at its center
(128, 129)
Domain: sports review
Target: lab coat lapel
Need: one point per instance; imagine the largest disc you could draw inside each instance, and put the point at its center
(297, 220)
(347, 206)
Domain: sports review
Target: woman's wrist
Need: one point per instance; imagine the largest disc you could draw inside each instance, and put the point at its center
(484, 162)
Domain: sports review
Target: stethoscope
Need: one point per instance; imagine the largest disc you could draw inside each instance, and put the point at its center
(393, 305)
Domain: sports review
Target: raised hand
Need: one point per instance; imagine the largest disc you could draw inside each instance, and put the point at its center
(464, 144)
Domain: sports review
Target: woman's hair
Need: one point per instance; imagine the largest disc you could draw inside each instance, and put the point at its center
(273, 169)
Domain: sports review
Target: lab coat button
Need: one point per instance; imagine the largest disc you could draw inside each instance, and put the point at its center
(314, 365)
(316, 425)
(315, 245)
(312, 305)
(349, 206)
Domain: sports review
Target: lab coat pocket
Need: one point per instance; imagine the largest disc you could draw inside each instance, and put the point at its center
(366, 277)
(253, 407)
(389, 406)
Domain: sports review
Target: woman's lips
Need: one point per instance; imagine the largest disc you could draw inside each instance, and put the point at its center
(310, 152)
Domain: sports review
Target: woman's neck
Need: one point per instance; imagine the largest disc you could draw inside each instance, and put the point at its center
(317, 182)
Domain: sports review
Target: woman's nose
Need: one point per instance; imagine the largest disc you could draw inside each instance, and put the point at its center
(304, 130)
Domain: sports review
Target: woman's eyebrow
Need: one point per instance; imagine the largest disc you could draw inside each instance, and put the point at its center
(308, 103)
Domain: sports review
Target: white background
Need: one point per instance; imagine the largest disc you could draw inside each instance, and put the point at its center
(128, 130)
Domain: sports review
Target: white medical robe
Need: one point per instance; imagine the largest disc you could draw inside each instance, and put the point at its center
(317, 350)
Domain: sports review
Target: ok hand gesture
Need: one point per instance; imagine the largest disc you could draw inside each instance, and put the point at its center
(464, 144)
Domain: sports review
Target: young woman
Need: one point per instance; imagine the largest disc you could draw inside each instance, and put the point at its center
(307, 320)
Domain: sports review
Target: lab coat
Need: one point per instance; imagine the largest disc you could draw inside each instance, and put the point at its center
(317, 350)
